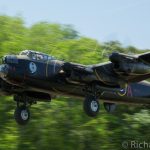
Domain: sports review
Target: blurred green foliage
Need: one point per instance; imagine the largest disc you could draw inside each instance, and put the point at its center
(62, 124)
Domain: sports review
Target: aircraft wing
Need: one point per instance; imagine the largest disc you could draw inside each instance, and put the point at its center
(121, 70)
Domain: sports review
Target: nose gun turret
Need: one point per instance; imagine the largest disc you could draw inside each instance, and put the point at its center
(4, 70)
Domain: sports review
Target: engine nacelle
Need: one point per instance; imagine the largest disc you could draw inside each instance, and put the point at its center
(134, 68)
(128, 64)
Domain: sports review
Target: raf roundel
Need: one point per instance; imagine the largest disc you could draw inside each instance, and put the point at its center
(32, 67)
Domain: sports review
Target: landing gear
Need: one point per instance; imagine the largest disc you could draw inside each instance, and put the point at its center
(91, 106)
(109, 107)
(22, 115)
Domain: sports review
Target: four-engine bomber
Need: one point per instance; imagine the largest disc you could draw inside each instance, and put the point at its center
(33, 76)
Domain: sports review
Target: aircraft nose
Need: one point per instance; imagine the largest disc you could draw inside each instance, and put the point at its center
(4, 70)
(10, 59)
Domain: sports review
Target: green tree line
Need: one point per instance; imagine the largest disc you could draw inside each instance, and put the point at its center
(62, 124)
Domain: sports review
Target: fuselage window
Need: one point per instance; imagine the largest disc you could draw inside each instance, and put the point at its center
(40, 57)
(34, 57)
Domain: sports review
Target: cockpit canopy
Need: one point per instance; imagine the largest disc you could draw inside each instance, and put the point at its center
(34, 55)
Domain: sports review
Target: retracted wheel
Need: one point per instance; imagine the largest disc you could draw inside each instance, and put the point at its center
(109, 107)
(91, 106)
(22, 115)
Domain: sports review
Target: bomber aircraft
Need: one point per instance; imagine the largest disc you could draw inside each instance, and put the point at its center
(33, 76)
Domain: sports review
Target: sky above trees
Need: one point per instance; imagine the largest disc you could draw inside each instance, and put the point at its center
(104, 20)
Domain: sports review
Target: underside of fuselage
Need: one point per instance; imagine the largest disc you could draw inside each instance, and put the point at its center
(133, 93)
